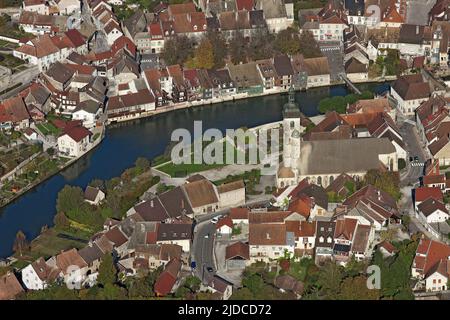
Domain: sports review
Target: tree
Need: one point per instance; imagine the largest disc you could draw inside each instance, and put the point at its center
(69, 198)
(219, 47)
(203, 57)
(97, 183)
(20, 243)
(261, 45)
(309, 47)
(177, 50)
(386, 181)
(356, 289)
(329, 280)
(142, 163)
(254, 282)
(237, 48)
(61, 221)
(287, 41)
(107, 273)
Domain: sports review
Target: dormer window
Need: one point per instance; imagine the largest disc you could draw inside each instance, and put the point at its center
(195, 28)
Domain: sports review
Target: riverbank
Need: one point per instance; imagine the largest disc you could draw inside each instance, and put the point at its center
(233, 98)
(147, 138)
(65, 165)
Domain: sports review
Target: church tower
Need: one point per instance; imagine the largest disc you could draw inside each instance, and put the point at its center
(292, 129)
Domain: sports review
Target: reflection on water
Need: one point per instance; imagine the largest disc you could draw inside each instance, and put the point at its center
(147, 138)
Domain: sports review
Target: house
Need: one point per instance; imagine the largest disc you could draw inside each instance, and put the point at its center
(167, 279)
(432, 211)
(92, 255)
(59, 76)
(39, 275)
(68, 7)
(342, 186)
(30, 134)
(414, 41)
(175, 233)
(202, 196)
(224, 226)
(87, 111)
(237, 256)
(93, 195)
(344, 233)
(279, 15)
(130, 106)
(74, 269)
(231, 194)
(356, 71)
(362, 240)
(318, 71)
(239, 215)
(74, 142)
(14, 114)
(332, 21)
(269, 241)
(430, 265)
(423, 193)
(283, 71)
(38, 6)
(324, 240)
(220, 287)
(118, 239)
(10, 287)
(305, 236)
(246, 78)
(409, 92)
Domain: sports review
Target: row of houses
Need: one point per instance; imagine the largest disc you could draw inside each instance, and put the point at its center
(156, 233)
(311, 227)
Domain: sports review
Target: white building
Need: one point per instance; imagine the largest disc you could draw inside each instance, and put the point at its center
(74, 142)
(38, 275)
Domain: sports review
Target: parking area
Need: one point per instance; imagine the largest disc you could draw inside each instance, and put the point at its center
(333, 52)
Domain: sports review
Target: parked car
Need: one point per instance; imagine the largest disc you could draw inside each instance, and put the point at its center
(215, 220)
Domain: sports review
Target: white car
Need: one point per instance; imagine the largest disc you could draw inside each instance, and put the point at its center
(215, 220)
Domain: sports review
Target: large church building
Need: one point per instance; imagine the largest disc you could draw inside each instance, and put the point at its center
(322, 161)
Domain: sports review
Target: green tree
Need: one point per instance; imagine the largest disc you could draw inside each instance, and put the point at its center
(107, 273)
(69, 198)
(356, 289)
(254, 282)
(203, 57)
(287, 41)
(329, 280)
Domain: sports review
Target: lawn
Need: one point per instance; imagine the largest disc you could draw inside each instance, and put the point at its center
(10, 61)
(182, 170)
(48, 128)
(49, 244)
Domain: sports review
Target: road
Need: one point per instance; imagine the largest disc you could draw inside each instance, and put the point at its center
(414, 148)
(202, 251)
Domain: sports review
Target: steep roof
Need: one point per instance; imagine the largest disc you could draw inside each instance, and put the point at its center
(237, 250)
(267, 234)
(9, 287)
(201, 193)
(412, 87)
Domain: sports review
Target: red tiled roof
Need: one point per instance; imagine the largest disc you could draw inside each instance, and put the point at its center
(237, 250)
(429, 253)
(239, 213)
(224, 222)
(423, 193)
(78, 133)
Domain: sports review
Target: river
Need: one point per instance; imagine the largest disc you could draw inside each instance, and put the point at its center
(148, 138)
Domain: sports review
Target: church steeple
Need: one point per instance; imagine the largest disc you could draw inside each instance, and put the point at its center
(290, 109)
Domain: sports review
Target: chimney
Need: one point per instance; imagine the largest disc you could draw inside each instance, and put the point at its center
(417, 30)
(267, 236)
(182, 203)
(151, 204)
